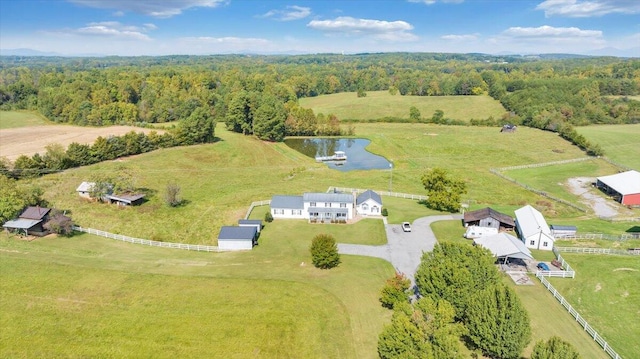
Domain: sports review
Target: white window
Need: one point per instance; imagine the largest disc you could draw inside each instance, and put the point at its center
(296, 212)
(327, 205)
(343, 205)
(278, 211)
(365, 207)
(544, 244)
(533, 243)
(312, 204)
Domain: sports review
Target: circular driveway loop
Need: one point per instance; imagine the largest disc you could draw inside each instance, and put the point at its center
(403, 249)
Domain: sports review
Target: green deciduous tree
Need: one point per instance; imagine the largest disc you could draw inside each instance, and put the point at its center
(554, 348)
(199, 127)
(324, 251)
(59, 223)
(414, 114)
(444, 191)
(269, 119)
(395, 290)
(497, 322)
(14, 197)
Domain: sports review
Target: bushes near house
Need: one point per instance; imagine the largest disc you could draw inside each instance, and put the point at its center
(324, 251)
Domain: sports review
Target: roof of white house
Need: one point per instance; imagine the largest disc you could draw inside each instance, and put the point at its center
(327, 197)
(291, 202)
(504, 245)
(531, 222)
(233, 233)
(85, 187)
(624, 183)
(368, 194)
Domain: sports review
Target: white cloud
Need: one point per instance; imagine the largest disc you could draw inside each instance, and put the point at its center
(379, 29)
(550, 32)
(466, 37)
(245, 43)
(431, 2)
(290, 13)
(588, 8)
(112, 29)
(156, 8)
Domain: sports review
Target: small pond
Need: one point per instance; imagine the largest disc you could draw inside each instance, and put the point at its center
(358, 158)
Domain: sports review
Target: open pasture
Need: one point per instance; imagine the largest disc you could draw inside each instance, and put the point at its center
(379, 104)
(14, 119)
(621, 143)
(218, 181)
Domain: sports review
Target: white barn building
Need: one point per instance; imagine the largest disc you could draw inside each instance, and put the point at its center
(533, 229)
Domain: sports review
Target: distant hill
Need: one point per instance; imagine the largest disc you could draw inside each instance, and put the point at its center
(26, 52)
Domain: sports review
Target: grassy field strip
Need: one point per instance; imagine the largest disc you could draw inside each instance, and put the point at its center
(379, 104)
(621, 143)
(15, 119)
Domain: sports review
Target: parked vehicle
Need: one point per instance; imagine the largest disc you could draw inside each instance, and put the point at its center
(406, 227)
(543, 266)
(477, 232)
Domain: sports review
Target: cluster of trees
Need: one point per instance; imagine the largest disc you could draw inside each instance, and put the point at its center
(16, 196)
(257, 95)
(461, 297)
(443, 190)
(199, 127)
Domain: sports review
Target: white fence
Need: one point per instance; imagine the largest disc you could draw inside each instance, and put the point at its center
(256, 204)
(583, 323)
(146, 242)
(609, 237)
(629, 252)
(382, 193)
(535, 165)
(568, 272)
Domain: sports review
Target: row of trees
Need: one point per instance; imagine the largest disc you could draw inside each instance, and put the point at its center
(16, 196)
(199, 127)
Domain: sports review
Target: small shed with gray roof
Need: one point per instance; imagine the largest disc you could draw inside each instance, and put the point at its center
(233, 238)
(369, 203)
(250, 223)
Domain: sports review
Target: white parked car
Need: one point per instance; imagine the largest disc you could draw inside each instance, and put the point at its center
(406, 227)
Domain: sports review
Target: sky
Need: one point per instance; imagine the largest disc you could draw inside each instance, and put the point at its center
(203, 27)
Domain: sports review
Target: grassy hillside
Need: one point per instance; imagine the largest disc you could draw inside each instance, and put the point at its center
(13, 119)
(621, 143)
(378, 104)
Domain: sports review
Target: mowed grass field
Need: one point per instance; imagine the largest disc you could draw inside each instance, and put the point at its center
(621, 143)
(15, 119)
(379, 104)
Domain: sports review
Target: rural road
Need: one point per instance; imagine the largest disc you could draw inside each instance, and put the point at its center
(403, 249)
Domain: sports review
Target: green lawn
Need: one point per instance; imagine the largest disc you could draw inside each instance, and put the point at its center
(14, 119)
(621, 143)
(605, 292)
(119, 299)
(378, 104)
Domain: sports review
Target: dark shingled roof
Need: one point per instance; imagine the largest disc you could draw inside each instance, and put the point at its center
(488, 212)
(231, 233)
(368, 194)
(35, 212)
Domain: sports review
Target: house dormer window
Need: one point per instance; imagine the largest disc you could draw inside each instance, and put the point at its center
(343, 205)
(312, 204)
(328, 205)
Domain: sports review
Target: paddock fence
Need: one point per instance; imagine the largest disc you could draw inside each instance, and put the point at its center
(544, 164)
(609, 237)
(583, 323)
(146, 242)
(382, 193)
(629, 252)
(568, 272)
(256, 204)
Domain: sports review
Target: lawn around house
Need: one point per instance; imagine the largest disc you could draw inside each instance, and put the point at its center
(379, 104)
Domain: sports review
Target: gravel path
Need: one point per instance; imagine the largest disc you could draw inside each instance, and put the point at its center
(602, 207)
(403, 249)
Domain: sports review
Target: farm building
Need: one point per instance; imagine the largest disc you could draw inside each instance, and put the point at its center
(505, 246)
(624, 187)
(488, 217)
(84, 189)
(232, 238)
(558, 231)
(251, 223)
(30, 222)
(125, 199)
(369, 203)
(314, 206)
(533, 229)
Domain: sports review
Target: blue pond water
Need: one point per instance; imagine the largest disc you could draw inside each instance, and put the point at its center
(358, 158)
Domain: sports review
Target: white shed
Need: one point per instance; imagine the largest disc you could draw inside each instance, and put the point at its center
(250, 223)
(233, 238)
(85, 188)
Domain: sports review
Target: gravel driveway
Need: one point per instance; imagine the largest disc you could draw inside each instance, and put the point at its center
(403, 249)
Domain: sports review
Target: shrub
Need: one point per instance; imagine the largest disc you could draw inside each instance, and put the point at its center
(385, 212)
(268, 217)
(554, 348)
(324, 251)
(396, 290)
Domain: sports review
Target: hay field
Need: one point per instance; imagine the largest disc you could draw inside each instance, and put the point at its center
(379, 104)
(621, 143)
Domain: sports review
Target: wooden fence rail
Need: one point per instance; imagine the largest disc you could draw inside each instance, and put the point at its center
(574, 313)
(146, 242)
(629, 252)
(256, 204)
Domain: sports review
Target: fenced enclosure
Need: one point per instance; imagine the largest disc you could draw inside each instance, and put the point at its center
(628, 252)
(256, 204)
(583, 323)
(382, 193)
(146, 242)
(609, 237)
(568, 272)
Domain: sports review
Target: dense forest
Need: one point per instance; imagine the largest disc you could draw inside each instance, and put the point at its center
(257, 95)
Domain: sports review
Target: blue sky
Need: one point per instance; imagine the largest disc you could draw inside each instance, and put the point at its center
(166, 27)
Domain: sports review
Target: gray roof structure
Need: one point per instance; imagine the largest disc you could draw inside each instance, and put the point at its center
(35, 213)
(250, 221)
(85, 187)
(625, 183)
(328, 210)
(504, 245)
(563, 228)
(531, 221)
(292, 202)
(125, 198)
(488, 212)
(234, 233)
(368, 194)
(21, 223)
(327, 197)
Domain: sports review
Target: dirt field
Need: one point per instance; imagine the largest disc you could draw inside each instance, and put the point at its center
(30, 140)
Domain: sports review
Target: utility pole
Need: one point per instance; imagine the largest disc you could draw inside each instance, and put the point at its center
(390, 176)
